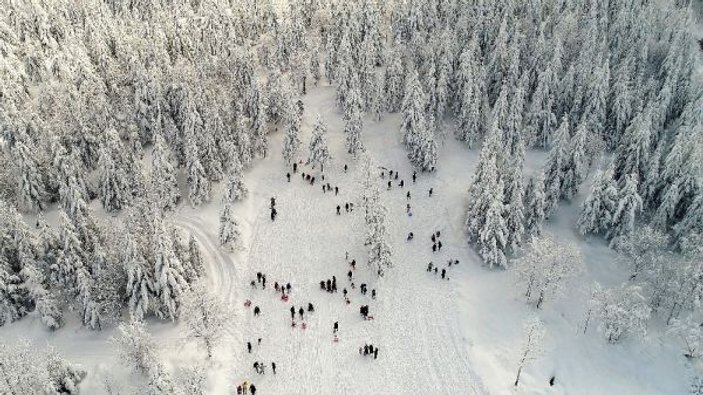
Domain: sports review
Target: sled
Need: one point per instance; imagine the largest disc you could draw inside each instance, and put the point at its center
(335, 339)
(247, 303)
(368, 317)
(292, 324)
(284, 297)
(303, 326)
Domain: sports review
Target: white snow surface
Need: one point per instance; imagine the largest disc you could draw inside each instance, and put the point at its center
(460, 336)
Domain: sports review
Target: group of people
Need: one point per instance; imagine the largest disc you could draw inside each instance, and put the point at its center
(369, 350)
(329, 285)
(301, 311)
(348, 207)
(245, 388)
(261, 368)
(364, 311)
(431, 267)
(328, 188)
(436, 242)
(274, 213)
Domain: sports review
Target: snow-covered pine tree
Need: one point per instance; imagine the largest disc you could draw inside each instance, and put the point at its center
(352, 130)
(169, 282)
(140, 280)
(115, 188)
(395, 73)
(513, 204)
(540, 119)
(534, 206)
(259, 123)
(209, 156)
(493, 236)
(599, 207)
(319, 153)
(235, 189)
(576, 166)
(230, 237)
(196, 260)
(30, 191)
(198, 183)
(291, 142)
(629, 205)
(554, 171)
(633, 150)
(483, 185)
(417, 136)
(163, 175)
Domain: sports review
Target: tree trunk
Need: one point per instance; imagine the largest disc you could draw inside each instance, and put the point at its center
(517, 379)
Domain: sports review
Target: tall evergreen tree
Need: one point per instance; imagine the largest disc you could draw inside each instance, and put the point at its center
(319, 153)
(554, 172)
(163, 175)
(629, 205)
(229, 229)
(115, 189)
(198, 183)
(534, 206)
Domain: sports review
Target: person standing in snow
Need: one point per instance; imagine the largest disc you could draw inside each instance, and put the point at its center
(335, 327)
(375, 353)
(429, 267)
(301, 312)
(434, 247)
(257, 311)
(396, 175)
(256, 367)
(373, 294)
(439, 245)
(349, 274)
(353, 264)
(273, 367)
(402, 183)
(407, 195)
(407, 208)
(444, 272)
(310, 308)
(249, 347)
(430, 192)
(252, 388)
(345, 167)
(295, 167)
(288, 287)
(288, 176)
(338, 208)
(292, 312)
(414, 176)
(389, 185)
(273, 202)
(263, 281)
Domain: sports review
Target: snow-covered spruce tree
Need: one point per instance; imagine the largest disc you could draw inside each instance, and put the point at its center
(140, 280)
(163, 175)
(633, 150)
(395, 72)
(380, 252)
(546, 268)
(513, 203)
(492, 238)
(483, 185)
(115, 187)
(291, 141)
(554, 171)
(235, 189)
(621, 311)
(195, 256)
(207, 317)
(198, 183)
(192, 379)
(319, 153)
(64, 376)
(534, 206)
(532, 344)
(352, 130)
(229, 235)
(599, 207)
(418, 140)
(259, 123)
(169, 281)
(29, 182)
(629, 205)
(209, 156)
(576, 166)
(540, 119)
(242, 141)
(136, 347)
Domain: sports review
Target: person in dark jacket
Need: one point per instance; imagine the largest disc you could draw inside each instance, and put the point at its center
(252, 389)
(292, 312)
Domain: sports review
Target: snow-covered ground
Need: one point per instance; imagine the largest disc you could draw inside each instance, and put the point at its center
(460, 336)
